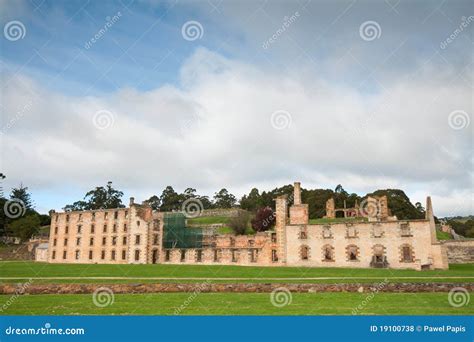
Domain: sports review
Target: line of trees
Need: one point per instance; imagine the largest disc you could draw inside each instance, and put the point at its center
(104, 197)
(261, 204)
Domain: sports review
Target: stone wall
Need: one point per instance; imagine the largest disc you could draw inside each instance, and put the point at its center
(233, 212)
(460, 251)
(205, 286)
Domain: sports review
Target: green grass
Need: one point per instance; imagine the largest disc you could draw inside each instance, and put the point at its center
(225, 230)
(337, 220)
(209, 220)
(443, 235)
(26, 269)
(238, 304)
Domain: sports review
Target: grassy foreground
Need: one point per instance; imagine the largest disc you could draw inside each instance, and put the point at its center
(239, 304)
(18, 271)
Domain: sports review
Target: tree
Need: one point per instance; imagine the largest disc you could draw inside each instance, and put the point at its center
(190, 193)
(170, 199)
(154, 202)
(21, 193)
(264, 219)
(253, 201)
(399, 204)
(240, 223)
(224, 199)
(420, 207)
(25, 227)
(340, 190)
(99, 198)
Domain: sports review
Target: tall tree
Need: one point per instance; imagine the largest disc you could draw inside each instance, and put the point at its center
(99, 198)
(170, 199)
(224, 199)
(22, 194)
(154, 202)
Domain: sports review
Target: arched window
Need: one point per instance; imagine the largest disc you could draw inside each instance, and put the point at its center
(379, 252)
(304, 252)
(352, 252)
(406, 253)
(328, 253)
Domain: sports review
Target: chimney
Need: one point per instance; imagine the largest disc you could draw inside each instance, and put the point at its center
(281, 208)
(430, 217)
(132, 201)
(297, 193)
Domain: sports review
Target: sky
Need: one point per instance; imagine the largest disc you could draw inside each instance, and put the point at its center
(237, 94)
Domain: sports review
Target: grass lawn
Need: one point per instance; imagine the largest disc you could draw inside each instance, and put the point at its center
(238, 304)
(20, 270)
(440, 235)
(209, 220)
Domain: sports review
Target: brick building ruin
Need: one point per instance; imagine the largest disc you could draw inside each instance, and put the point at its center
(137, 235)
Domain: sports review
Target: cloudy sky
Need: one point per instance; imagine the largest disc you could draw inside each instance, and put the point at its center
(238, 94)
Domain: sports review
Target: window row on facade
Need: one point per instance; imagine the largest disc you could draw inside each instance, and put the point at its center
(114, 240)
(94, 215)
(327, 254)
(353, 232)
(216, 255)
(103, 254)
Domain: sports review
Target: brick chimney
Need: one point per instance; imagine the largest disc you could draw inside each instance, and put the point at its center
(297, 193)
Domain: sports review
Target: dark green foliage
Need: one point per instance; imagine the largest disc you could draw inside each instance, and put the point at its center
(154, 202)
(25, 227)
(170, 199)
(21, 193)
(99, 198)
(465, 229)
(224, 199)
(399, 204)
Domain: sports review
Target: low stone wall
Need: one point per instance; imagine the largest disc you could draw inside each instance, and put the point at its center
(460, 251)
(233, 212)
(252, 288)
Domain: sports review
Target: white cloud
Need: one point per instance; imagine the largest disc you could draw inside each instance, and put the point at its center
(215, 131)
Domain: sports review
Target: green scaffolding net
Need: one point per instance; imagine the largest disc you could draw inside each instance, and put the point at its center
(176, 235)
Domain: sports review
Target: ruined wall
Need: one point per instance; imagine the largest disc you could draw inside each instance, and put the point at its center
(364, 239)
(460, 251)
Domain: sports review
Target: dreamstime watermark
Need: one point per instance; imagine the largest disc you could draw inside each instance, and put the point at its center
(369, 297)
(21, 288)
(103, 296)
(281, 119)
(464, 24)
(369, 208)
(200, 288)
(192, 30)
(281, 297)
(103, 119)
(109, 22)
(458, 296)
(14, 208)
(370, 30)
(14, 30)
(19, 114)
(46, 330)
(192, 207)
(458, 120)
(287, 22)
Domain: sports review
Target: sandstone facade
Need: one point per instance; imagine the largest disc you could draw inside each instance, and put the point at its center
(135, 235)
